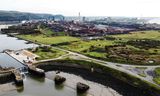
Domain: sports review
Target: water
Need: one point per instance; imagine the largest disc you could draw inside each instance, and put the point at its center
(4, 26)
(13, 43)
(7, 61)
(32, 86)
(39, 87)
(46, 87)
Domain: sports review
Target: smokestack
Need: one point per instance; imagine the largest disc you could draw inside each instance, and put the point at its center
(79, 14)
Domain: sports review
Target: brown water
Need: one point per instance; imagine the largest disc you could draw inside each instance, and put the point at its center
(46, 87)
(39, 87)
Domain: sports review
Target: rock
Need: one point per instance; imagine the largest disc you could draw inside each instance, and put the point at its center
(81, 88)
(19, 82)
(59, 79)
(36, 71)
(57, 72)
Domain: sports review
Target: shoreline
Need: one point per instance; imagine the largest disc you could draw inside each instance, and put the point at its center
(99, 70)
(99, 75)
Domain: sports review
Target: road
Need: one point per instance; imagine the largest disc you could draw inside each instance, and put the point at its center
(118, 66)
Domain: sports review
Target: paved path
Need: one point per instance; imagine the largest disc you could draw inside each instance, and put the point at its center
(61, 57)
(117, 66)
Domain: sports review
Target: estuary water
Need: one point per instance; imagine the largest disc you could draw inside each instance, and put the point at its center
(12, 43)
(7, 61)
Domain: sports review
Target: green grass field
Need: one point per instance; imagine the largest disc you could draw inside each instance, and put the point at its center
(53, 53)
(84, 45)
(49, 40)
(154, 35)
(151, 54)
(49, 33)
(46, 31)
(119, 53)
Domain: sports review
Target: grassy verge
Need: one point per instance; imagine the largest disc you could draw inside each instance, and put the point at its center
(49, 33)
(142, 75)
(52, 53)
(154, 35)
(46, 31)
(156, 79)
(48, 40)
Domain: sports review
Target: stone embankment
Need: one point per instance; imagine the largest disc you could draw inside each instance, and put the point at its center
(36, 71)
(11, 75)
(6, 77)
(17, 78)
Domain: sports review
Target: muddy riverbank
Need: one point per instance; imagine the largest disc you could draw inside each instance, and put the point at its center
(106, 78)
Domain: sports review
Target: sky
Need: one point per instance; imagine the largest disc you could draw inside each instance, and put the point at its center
(128, 8)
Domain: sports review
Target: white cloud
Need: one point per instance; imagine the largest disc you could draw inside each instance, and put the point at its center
(86, 7)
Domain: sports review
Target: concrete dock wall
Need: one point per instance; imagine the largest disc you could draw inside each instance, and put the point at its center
(36, 71)
(6, 77)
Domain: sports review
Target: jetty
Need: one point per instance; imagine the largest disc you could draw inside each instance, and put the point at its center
(27, 59)
(11, 74)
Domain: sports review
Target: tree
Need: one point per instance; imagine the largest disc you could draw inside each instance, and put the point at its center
(46, 48)
(91, 48)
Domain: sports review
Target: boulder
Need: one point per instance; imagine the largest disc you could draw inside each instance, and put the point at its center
(59, 79)
(81, 87)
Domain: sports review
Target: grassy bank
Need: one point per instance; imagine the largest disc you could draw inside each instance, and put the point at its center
(48, 40)
(157, 75)
(50, 54)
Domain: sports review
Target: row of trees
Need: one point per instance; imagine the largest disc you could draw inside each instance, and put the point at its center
(145, 43)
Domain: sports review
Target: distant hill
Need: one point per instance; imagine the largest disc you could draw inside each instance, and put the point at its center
(19, 16)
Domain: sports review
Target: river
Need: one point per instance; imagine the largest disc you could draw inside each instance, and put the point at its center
(12, 43)
(107, 86)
